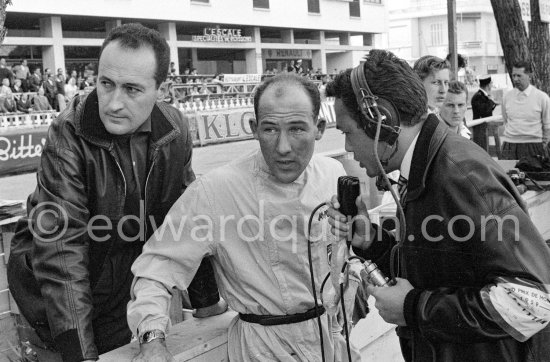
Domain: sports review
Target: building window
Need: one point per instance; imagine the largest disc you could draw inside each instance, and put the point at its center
(261, 4)
(313, 6)
(355, 9)
(201, 1)
(436, 31)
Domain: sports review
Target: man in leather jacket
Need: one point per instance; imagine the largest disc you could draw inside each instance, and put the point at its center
(473, 273)
(113, 164)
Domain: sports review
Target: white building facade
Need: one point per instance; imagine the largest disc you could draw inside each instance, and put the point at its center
(419, 27)
(227, 36)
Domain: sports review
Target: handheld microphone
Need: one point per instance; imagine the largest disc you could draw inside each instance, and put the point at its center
(348, 190)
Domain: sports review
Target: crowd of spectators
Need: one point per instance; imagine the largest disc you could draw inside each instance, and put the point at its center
(25, 91)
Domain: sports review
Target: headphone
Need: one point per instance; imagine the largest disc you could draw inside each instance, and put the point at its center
(375, 109)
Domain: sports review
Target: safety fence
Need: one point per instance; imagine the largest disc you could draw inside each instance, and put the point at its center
(22, 136)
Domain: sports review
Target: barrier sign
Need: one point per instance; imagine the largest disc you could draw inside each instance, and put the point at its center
(242, 78)
(224, 125)
(20, 149)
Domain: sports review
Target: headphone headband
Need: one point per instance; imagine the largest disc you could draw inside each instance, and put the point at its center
(369, 107)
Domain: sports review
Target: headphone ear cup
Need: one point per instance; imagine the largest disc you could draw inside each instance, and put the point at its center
(386, 108)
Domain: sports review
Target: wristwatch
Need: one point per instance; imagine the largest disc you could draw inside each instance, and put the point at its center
(149, 336)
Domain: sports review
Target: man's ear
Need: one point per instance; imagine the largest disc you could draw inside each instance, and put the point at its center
(321, 126)
(253, 126)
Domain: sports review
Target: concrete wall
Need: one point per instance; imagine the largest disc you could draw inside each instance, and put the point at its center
(333, 15)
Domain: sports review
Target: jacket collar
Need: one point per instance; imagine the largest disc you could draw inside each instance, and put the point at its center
(89, 126)
(430, 139)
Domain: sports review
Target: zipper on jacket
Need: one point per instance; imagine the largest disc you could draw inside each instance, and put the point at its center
(123, 179)
(145, 195)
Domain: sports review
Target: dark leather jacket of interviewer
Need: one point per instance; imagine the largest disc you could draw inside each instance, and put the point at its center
(452, 261)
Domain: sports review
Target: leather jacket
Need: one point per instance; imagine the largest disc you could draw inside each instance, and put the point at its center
(62, 280)
(447, 313)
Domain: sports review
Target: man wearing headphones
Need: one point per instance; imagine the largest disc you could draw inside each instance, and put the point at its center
(471, 273)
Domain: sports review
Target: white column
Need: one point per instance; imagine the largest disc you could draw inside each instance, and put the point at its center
(194, 58)
(345, 38)
(53, 56)
(288, 36)
(111, 24)
(254, 56)
(168, 31)
(319, 59)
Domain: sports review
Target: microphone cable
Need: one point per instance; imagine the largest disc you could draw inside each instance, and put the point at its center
(310, 259)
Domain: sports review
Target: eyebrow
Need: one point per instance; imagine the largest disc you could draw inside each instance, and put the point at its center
(135, 85)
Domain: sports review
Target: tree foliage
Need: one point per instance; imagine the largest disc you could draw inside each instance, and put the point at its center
(3, 31)
(518, 43)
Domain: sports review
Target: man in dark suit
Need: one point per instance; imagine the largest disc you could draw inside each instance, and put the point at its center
(482, 106)
(50, 89)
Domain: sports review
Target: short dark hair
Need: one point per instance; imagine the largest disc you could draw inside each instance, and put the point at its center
(389, 77)
(457, 87)
(523, 64)
(289, 79)
(135, 36)
(428, 64)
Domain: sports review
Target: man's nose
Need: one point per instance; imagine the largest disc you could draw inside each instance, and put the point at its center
(347, 145)
(116, 101)
(283, 143)
(443, 88)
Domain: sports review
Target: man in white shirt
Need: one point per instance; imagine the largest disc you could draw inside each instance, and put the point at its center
(251, 216)
(526, 116)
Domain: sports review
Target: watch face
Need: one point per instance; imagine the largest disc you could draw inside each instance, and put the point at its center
(151, 335)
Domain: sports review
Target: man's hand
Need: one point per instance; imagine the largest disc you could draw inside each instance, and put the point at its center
(341, 228)
(390, 300)
(154, 351)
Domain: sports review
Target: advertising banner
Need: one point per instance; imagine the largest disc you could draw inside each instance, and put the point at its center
(224, 125)
(20, 149)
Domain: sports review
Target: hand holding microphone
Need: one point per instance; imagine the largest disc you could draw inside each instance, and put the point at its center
(348, 205)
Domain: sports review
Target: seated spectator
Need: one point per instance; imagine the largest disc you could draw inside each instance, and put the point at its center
(39, 102)
(204, 89)
(24, 103)
(5, 89)
(194, 91)
(8, 104)
(17, 86)
(70, 89)
(178, 80)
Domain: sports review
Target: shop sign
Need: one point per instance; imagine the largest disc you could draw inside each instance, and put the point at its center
(287, 54)
(544, 8)
(222, 35)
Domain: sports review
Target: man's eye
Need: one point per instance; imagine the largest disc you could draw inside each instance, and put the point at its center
(132, 90)
(297, 129)
(106, 84)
